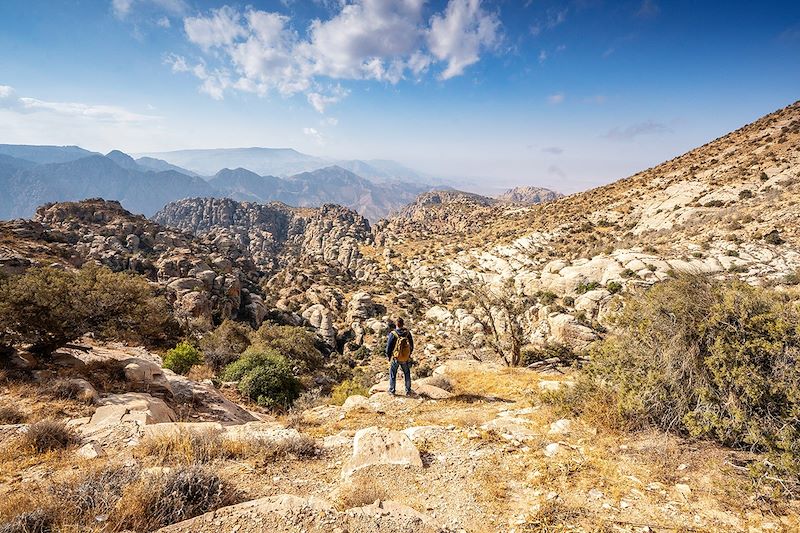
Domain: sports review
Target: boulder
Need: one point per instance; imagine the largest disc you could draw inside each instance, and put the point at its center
(90, 450)
(135, 407)
(380, 446)
(360, 307)
(356, 402)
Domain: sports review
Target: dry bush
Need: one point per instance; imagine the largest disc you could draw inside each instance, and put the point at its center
(269, 450)
(11, 415)
(711, 359)
(105, 375)
(157, 501)
(35, 521)
(360, 491)
(46, 435)
(554, 516)
(443, 382)
(184, 447)
(91, 493)
(65, 389)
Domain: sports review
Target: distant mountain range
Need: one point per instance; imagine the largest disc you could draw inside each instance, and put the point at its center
(284, 162)
(33, 175)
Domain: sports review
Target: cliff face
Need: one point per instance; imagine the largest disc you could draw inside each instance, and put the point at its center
(274, 234)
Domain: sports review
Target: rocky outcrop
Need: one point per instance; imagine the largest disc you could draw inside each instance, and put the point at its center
(529, 195)
(274, 234)
(204, 283)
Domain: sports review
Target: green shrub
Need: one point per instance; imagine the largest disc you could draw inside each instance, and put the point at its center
(546, 297)
(587, 286)
(345, 389)
(297, 344)
(569, 301)
(709, 359)
(182, 358)
(49, 307)
(265, 377)
(225, 344)
(613, 287)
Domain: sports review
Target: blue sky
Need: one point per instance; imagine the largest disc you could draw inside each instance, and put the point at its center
(561, 94)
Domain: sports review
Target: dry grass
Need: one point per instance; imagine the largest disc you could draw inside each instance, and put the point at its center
(123, 498)
(360, 491)
(511, 384)
(157, 501)
(10, 414)
(184, 447)
(204, 447)
(48, 435)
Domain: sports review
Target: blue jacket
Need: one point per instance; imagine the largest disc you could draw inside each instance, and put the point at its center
(392, 340)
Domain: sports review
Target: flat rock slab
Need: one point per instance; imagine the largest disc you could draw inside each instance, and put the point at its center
(290, 513)
(130, 407)
(253, 431)
(511, 428)
(380, 446)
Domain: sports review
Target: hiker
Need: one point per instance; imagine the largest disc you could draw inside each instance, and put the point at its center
(399, 347)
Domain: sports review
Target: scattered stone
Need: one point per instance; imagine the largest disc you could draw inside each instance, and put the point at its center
(560, 427)
(552, 449)
(90, 450)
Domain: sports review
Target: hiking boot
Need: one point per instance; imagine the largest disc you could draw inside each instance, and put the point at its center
(392, 392)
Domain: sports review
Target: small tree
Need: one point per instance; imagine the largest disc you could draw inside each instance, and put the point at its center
(182, 358)
(501, 312)
(47, 307)
(225, 344)
(265, 377)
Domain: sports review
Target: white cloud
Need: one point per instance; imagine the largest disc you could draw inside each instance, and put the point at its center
(164, 22)
(648, 9)
(553, 18)
(542, 56)
(556, 98)
(221, 28)
(320, 101)
(91, 112)
(315, 135)
(460, 33)
(123, 8)
(648, 127)
(330, 121)
(384, 40)
(6, 91)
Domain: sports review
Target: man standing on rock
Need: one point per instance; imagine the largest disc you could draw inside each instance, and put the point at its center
(399, 347)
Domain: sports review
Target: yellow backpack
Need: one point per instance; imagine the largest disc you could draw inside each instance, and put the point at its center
(402, 348)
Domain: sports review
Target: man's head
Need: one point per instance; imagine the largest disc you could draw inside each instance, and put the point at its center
(400, 323)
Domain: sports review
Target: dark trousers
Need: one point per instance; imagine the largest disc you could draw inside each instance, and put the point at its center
(393, 375)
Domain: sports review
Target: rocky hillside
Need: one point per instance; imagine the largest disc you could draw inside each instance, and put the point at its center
(204, 281)
(274, 234)
(529, 195)
(727, 208)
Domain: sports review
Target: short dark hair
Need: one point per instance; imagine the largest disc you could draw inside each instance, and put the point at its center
(400, 322)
